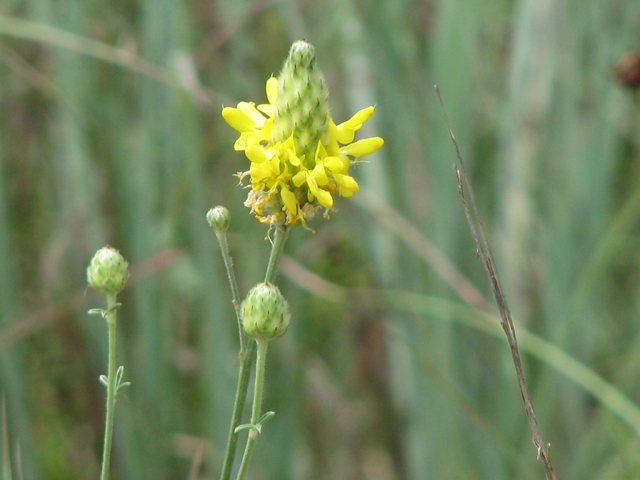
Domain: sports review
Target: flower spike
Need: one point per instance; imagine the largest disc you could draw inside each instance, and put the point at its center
(299, 157)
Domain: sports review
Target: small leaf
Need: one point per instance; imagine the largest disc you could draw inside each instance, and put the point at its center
(265, 417)
(243, 427)
(104, 380)
(97, 311)
(113, 309)
(119, 374)
(123, 386)
(248, 426)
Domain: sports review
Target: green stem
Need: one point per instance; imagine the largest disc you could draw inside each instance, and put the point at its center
(241, 397)
(282, 232)
(111, 385)
(246, 356)
(257, 403)
(228, 263)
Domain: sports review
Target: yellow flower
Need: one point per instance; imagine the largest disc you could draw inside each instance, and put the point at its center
(299, 157)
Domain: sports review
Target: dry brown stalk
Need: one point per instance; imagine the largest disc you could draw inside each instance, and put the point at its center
(484, 252)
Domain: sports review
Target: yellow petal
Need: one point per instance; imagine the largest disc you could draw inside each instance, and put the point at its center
(332, 147)
(321, 152)
(324, 198)
(347, 185)
(289, 199)
(363, 147)
(240, 143)
(272, 90)
(268, 110)
(238, 119)
(275, 165)
(313, 186)
(258, 173)
(293, 159)
(256, 154)
(320, 175)
(333, 130)
(358, 119)
(345, 136)
(345, 131)
(299, 178)
(270, 182)
(266, 129)
(289, 144)
(250, 109)
(334, 164)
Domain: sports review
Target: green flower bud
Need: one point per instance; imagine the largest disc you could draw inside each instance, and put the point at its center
(219, 218)
(302, 106)
(108, 270)
(265, 312)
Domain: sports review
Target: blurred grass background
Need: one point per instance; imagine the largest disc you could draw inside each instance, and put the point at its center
(395, 366)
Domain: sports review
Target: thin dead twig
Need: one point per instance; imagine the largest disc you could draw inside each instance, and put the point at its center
(484, 252)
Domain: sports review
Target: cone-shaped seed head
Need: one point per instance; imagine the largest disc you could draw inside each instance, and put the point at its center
(302, 107)
(108, 270)
(265, 312)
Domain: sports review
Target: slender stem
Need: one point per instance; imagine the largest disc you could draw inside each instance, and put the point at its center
(261, 361)
(111, 385)
(257, 403)
(282, 232)
(246, 355)
(241, 396)
(228, 263)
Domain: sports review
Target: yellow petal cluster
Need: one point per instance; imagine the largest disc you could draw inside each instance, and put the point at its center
(288, 187)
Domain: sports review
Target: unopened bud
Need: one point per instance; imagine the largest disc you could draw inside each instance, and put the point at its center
(219, 218)
(108, 270)
(265, 312)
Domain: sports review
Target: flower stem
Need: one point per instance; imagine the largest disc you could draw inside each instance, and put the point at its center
(247, 354)
(228, 263)
(111, 385)
(257, 403)
(282, 232)
(241, 396)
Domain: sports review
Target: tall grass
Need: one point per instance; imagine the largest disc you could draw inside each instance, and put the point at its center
(111, 133)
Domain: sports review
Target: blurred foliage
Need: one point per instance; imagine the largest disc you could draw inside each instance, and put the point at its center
(111, 133)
